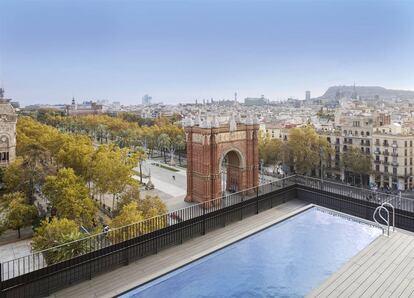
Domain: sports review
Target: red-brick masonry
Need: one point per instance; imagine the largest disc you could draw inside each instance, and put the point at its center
(206, 148)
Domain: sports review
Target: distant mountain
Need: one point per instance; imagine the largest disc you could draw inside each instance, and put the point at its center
(366, 92)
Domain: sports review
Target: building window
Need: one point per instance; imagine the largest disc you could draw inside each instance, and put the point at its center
(367, 133)
(394, 171)
(4, 156)
(411, 143)
(377, 168)
(405, 143)
(385, 169)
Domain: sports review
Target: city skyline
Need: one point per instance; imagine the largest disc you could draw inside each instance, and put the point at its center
(182, 51)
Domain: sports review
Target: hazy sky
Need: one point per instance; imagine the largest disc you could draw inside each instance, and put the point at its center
(52, 50)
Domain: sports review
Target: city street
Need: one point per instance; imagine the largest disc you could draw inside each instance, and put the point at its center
(171, 191)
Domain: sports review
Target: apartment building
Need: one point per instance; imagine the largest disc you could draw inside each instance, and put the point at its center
(393, 157)
(389, 145)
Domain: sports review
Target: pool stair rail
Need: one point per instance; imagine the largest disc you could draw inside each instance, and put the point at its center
(386, 220)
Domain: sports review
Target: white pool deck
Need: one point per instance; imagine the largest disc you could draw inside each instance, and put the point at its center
(385, 268)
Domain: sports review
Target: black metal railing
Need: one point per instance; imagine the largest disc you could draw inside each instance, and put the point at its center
(42, 259)
(42, 273)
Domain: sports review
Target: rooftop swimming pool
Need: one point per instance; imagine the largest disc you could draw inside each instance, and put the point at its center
(288, 259)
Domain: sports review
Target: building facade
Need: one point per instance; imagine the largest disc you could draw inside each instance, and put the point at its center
(8, 120)
(389, 146)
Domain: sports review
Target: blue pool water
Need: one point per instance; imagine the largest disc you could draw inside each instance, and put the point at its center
(288, 259)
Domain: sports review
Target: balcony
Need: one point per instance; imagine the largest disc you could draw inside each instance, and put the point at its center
(377, 144)
(386, 153)
(385, 144)
(394, 145)
(385, 163)
(377, 161)
(394, 163)
(395, 154)
(377, 151)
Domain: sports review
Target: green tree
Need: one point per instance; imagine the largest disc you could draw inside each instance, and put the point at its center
(18, 213)
(70, 196)
(58, 232)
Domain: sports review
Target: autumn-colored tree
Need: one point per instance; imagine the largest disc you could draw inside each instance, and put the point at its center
(152, 206)
(273, 152)
(129, 214)
(77, 154)
(70, 196)
(17, 213)
(163, 143)
(357, 162)
(58, 232)
(131, 194)
(112, 170)
(305, 149)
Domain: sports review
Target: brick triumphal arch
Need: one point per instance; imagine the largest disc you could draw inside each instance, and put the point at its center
(211, 146)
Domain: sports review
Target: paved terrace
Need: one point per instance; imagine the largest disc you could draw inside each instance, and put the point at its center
(127, 277)
(385, 268)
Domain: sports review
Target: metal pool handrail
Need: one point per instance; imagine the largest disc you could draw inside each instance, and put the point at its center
(393, 213)
(386, 220)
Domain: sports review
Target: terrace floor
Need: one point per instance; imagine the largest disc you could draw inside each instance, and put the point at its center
(385, 268)
(127, 277)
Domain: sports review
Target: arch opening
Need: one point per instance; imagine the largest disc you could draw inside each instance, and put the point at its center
(231, 172)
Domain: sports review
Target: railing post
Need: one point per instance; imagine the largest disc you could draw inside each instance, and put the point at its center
(204, 219)
(1, 281)
(257, 200)
(241, 207)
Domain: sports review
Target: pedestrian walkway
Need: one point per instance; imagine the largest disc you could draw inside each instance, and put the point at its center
(14, 250)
